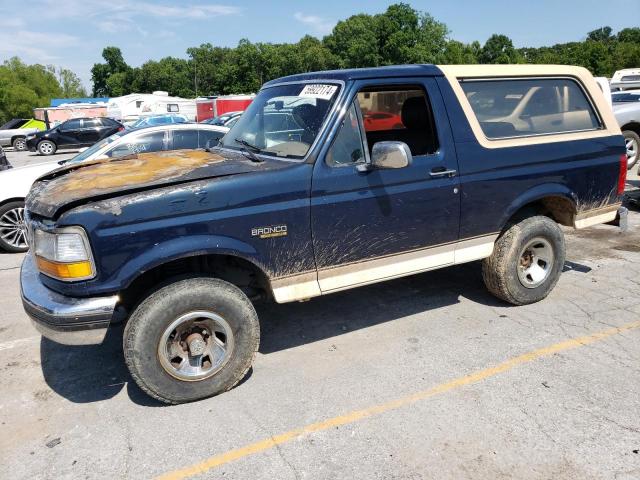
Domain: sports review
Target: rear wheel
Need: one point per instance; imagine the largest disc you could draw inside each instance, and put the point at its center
(526, 261)
(191, 339)
(47, 147)
(19, 144)
(13, 236)
(632, 144)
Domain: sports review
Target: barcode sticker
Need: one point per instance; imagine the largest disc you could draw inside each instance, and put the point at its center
(324, 92)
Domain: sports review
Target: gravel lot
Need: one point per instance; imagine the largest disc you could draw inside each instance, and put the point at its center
(423, 377)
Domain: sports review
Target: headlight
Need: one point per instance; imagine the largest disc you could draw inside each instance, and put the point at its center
(64, 254)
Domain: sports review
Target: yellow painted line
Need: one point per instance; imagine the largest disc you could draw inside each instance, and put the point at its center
(351, 417)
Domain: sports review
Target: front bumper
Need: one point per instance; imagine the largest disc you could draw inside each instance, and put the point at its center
(32, 144)
(66, 320)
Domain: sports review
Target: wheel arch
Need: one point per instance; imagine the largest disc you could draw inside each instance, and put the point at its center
(234, 265)
(555, 201)
(633, 125)
(11, 199)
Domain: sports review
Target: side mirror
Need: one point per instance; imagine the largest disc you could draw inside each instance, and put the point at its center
(386, 155)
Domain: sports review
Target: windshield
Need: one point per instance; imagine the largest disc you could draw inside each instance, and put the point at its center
(82, 156)
(283, 121)
(625, 97)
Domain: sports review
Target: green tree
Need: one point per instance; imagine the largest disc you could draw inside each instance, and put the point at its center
(70, 84)
(499, 49)
(631, 35)
(602, 34)
(24, 87)
(100, 73)
(354, 42)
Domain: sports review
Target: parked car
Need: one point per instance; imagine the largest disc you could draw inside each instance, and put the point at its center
(14, 132)
(179, 248)
(155, 120)
(74, 133)
(15, 183)
(4, 163)
(381, 121)
(224, 120)
(625, 79)
(626, 108)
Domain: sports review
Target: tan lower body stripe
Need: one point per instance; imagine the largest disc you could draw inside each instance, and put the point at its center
(351, 417)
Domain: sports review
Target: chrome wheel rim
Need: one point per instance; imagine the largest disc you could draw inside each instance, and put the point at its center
(195, 346)
(12, 228)
(535, 262)
(20, 144)
(632, 150)
(46, 148)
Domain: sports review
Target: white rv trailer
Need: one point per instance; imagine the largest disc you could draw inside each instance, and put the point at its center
(129, 108)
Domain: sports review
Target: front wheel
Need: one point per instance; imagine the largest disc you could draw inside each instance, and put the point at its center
(526, 262)
(192, 339)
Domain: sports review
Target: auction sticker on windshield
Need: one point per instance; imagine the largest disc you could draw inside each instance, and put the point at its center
(324, 92)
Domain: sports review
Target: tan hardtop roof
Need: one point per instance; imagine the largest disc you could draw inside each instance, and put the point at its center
(513, 70)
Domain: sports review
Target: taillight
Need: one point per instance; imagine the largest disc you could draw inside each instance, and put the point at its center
(121, 129)
(622, 174)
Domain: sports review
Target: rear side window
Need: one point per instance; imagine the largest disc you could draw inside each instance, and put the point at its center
(527, 107)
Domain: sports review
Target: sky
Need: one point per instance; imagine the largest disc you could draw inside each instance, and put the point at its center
(72, 33)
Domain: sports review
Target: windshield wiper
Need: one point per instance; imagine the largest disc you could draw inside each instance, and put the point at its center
(250, 149)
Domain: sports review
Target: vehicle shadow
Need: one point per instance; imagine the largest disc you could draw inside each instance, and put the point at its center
(84, 374)
(90, 373)
(290, 325)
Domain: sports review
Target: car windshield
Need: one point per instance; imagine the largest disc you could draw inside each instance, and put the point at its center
(82, 156)
(625, 97)
(283, 121)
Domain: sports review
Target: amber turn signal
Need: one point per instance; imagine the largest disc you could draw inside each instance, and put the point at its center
(65, 271)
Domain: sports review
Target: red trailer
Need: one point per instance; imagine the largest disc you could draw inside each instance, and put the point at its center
(232, 103)
(213, 107)
(204, 108)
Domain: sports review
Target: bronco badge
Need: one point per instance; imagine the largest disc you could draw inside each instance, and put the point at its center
(269, 232)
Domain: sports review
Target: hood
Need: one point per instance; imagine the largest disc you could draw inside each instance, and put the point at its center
(627, 107)
(81, 183)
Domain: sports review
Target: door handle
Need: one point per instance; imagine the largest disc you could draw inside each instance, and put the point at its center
(442, 172)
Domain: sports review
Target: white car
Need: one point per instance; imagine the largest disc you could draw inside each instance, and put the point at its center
(16, 182)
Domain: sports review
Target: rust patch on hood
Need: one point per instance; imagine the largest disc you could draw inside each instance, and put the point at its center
(85, 182)
(129, 171)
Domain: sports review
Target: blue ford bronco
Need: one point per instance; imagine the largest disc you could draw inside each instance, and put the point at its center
(303, 198)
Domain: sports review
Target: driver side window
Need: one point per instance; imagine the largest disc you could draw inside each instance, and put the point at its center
(347, 147)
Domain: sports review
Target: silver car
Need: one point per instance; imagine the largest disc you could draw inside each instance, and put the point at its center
(11, 135)
(626, 108)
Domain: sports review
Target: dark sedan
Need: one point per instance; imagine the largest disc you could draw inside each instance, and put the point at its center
(74, 133)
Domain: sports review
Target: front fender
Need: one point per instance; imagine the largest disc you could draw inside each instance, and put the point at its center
(537, 193)
(183, 247)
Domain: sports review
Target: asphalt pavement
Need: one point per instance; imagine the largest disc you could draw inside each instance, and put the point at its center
(423, 377)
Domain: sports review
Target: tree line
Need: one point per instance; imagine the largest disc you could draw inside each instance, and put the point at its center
(24, 87)
(400, 35)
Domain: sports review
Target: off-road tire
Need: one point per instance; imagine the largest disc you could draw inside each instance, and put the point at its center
(43, 150)
(19, 144)
(146, 325)
(499, 271)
